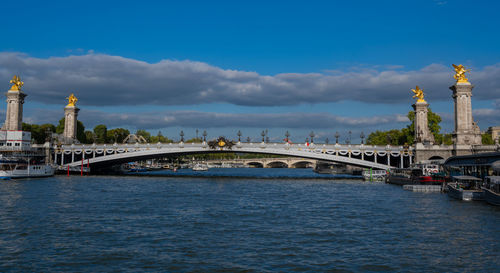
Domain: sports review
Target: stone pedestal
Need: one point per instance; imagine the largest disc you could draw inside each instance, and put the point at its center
(422, 132)
(70, 123)
(466, 130)
(14, 115)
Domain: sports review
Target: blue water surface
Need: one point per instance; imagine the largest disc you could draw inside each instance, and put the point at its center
(228, 224)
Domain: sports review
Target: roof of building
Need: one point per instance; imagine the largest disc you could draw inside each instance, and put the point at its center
(483, 159)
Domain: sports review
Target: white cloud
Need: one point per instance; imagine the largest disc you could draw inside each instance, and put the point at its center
(99, 79)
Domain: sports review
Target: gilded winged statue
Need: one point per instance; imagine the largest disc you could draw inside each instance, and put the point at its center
(460, 71)
(71, 100)
(419, 94)
(16, 83)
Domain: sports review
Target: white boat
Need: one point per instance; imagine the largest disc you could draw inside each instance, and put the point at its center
(21, 168)
(18, 159)
(374, 175)
(200, 167)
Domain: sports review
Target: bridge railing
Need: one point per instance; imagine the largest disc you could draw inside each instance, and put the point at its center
(297, 146)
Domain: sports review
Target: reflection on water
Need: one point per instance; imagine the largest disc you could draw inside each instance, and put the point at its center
(155, 223)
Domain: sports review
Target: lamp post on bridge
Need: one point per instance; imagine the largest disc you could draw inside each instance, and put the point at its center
(312, 137)
(337, 135)
(182, 136)
(349, 137)
(287, 137)
(239, 136)
(263, 134)
(204, 135)
(326, 141)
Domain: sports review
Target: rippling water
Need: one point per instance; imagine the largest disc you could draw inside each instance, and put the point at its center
(113, 223)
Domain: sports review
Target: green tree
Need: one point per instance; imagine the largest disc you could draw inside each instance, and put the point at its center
(89, 137)
(486, 139)
(194, 140)
(145, 134)
(101, 132)
(119, 133)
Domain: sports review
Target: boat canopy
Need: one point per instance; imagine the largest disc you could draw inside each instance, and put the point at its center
(493, 179)
(466, 177)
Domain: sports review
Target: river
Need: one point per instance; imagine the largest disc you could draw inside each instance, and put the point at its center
(245, 220)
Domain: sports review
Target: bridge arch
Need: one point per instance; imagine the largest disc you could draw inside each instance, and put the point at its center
(302, 164)
(255, 164)
(277, 164)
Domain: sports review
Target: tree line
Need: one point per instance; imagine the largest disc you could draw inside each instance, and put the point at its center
(100, 134)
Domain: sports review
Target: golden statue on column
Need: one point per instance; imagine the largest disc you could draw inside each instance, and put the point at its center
(460, 71)
(419, 94)
(71, 100)
(16, 83)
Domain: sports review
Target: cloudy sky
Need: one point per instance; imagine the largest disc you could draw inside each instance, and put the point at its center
(224, 66)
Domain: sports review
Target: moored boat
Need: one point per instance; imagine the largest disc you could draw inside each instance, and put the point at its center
(491, 190)
(200, 167)
(465, 188)
(374, 175)
(425, 174)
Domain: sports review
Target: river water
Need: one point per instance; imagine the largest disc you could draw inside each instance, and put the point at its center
(252, 220)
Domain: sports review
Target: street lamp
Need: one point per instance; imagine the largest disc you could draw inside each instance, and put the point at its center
(362, 136)
(182, 136)
(326, 141)
(350, 137)
(48, 135)
(337, 135)
(312, 136)
(116, 135)
(263, 134)
(204, 135)
(248, 139)
(239, 136)
(287, 135)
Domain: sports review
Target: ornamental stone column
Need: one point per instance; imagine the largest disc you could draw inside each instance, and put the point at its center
(422, 132)
(70, 120)
(15, 101)
(466, 132)
(421, 107)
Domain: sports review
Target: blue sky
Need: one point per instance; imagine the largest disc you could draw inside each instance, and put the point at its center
(351, 63)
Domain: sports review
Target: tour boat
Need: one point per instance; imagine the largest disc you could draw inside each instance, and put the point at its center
(465, 188)
(23, 167)
(18, 159)
(374, 175)
(200, 167)
(491, 190)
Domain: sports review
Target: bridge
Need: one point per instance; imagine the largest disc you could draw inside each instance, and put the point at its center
(467, 139)
(102, 156)
(268, 162)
